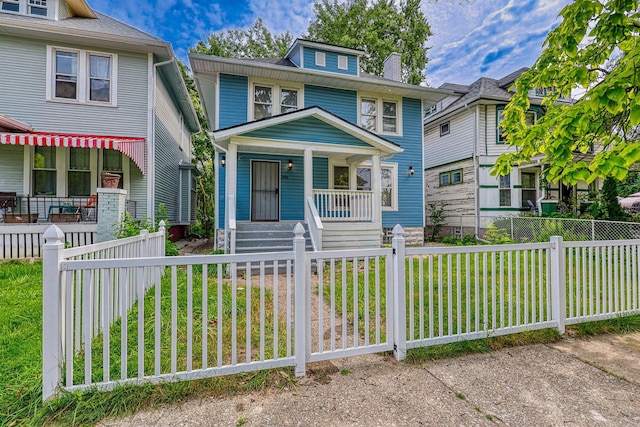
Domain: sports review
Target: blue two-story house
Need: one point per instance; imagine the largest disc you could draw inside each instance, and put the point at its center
(311, 138)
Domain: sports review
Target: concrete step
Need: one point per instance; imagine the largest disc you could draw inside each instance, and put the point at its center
(260, 237)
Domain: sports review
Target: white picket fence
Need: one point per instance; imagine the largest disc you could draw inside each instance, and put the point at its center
(120, 320)
(19, 241)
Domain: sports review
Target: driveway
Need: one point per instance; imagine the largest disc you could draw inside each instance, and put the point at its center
(569, 383)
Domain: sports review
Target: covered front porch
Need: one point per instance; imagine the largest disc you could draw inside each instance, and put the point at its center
(328, 176)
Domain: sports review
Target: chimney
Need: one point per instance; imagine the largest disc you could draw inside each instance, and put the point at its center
(393, 67)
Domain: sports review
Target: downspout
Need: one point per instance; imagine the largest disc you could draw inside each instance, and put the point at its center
(151, 211)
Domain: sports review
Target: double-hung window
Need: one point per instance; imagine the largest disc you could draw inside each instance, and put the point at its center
(388, 184)
(530, 118)
(112, 163)
(505, 190)
(79, 175)
(29, 7)
(44, 171)
(529, 192)
(82, 76)
(11, 5)
(270, 100)
(380, 115)
(37, 7)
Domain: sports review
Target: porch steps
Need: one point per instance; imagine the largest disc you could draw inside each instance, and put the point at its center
(252, 237)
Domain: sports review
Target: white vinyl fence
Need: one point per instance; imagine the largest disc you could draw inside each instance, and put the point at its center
(130, 318)
(25, 240)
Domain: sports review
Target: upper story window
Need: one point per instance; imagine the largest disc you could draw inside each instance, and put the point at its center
(26, 7)
(380, 115)
(320, 59)
(343, 62)
(82, 76)
(271, 100)
(530, 118)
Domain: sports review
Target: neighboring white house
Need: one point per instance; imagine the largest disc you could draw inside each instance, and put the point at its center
(82, 93)
(463, 141)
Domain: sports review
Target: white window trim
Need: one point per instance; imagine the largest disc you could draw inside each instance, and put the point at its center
(379, 100)
(343, 62)
(23, 9)
(276, 87)
(83, 77)
(321, 59)
(353, 182)
(448, 131)
(93, 163)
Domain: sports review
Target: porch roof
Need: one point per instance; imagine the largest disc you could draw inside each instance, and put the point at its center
(222, 137)
(132, 147)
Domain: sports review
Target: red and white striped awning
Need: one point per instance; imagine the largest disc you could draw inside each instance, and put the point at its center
(132, 147)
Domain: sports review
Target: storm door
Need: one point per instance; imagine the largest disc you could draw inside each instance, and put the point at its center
(265, 192)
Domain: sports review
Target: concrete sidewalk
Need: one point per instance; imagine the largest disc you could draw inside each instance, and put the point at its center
(572, 382)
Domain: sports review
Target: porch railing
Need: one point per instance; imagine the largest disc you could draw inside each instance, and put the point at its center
(315, 224)
(344, 205)
(28, 209)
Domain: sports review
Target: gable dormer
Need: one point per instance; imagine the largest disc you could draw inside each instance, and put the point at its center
(48, 9)
(324, 57)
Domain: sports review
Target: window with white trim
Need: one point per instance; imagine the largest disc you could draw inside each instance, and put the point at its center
(530, 118)
(270, 100)
(82, 76)
(320, 59)
(343, 62)
(44, 171)
(388, 184)
(445, 128)
(380, 115)
(26, 7)
(79, 173)
(112, 163)
(505, 190)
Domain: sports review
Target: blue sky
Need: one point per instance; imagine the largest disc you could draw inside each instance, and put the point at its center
(472, 38)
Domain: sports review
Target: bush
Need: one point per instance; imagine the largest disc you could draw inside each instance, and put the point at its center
(497, 236)
(130, 227)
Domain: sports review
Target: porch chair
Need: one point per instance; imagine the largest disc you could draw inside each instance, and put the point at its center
(88, 210)
(7, 201)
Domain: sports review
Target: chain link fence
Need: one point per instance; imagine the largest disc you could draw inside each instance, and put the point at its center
(537, 229)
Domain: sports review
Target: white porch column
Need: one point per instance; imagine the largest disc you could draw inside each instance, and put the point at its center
(232, 177)
(308, 181)
(376, 187)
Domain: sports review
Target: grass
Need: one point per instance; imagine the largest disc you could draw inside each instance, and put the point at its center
(20, 350)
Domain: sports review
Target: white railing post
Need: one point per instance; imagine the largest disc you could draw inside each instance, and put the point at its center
(163, 241)
(399, 291)
(52, 357)
(300, 286)
(558, 282)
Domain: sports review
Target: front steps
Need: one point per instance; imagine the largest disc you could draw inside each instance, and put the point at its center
(252, 237)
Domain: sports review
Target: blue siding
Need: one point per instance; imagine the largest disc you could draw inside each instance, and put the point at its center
(342, 103)
(320, 173)
(233, 100)
(295, 57)
(331, 61)
(291, 185)
(308, 129)
(410, 207)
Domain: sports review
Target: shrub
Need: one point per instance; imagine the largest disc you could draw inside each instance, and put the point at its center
(130, 227)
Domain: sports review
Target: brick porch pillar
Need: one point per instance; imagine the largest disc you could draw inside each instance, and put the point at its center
(111, 207)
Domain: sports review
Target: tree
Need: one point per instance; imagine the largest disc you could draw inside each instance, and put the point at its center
(596, 49)
(202, 152)
(379, 29)
(254, 42)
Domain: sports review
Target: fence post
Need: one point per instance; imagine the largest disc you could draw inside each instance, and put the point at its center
(558, 282)
(511, 220)
(52, 356)
(163, 242)
(593, 229)
(399, 293)
(300, 297)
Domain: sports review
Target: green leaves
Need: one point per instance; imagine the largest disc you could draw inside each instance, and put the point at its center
(596, 49)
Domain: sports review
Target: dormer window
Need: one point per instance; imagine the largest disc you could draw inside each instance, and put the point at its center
(27, 7)
(11, 5)
(343, 62)
(37, 7)
(320, 59)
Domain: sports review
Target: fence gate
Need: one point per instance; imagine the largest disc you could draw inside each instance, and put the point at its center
(349, 303)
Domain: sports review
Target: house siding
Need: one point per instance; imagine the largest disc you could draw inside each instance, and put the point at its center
(309, 129)
(455, 146)
(342, 103)
(331, 61)
(296, 57)
(458, 199)
(409, 213)
(25, 99)
(12, 167)
(234, 91)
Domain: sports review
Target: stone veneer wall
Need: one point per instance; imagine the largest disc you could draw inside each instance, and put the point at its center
(414, 236)
(111, 207)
